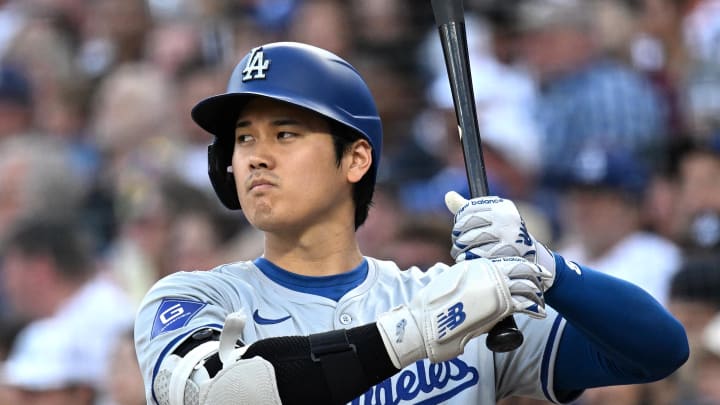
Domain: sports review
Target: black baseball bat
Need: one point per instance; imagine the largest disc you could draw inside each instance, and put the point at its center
(450, 19)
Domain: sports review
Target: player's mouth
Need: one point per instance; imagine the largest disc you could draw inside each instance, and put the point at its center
(259, 184)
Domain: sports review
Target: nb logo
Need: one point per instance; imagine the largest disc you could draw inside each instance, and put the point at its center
(524, 235)
(256, 65)
(454, 317)
(400, 331)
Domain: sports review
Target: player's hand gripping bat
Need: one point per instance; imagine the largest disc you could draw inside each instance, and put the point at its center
(449, 16)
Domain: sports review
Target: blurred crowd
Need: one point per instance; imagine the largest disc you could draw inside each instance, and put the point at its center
(599, 118)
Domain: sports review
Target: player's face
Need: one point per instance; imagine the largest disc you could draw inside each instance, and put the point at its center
(286, 169)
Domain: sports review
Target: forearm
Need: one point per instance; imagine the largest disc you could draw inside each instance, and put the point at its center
(324, 368)
(302, 379)
(626, 336)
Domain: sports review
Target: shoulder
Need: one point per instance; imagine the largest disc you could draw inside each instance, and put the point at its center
(210, 285)
(223, 272)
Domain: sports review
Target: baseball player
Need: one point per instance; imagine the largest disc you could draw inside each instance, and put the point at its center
(296, 146)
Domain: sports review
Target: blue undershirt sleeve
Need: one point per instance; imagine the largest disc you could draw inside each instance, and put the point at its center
(616, 333)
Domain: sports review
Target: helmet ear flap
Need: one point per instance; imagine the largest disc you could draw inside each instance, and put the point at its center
(222, 179)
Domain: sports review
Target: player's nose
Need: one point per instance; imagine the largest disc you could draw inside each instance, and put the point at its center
(258, 162)
(262, 156)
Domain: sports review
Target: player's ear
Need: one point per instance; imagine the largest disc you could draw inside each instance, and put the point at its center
(359, 160)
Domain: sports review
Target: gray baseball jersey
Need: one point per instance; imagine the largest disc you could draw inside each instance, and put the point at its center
(280, 303)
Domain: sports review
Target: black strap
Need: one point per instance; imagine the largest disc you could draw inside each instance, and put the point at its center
(213, 364)
(195, 339)
(339, 361)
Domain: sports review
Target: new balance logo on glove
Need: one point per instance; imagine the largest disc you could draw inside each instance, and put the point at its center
(524, 235)
(454, 317)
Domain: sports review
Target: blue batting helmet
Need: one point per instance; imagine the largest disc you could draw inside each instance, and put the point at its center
(299, 74)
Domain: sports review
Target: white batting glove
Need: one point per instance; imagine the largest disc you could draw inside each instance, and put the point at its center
(492, 227)
(463, 302)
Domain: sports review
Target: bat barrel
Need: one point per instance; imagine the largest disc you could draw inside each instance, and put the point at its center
(454, 42)
(448, 11)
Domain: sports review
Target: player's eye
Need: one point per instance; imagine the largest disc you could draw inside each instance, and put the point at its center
(243, 138)
(286, 135)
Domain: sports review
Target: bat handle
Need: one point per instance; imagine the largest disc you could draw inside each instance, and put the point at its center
(504, 336)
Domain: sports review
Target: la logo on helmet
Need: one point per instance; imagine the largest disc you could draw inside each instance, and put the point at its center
(256, 65)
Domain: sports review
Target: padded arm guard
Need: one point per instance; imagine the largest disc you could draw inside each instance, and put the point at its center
(186, 380)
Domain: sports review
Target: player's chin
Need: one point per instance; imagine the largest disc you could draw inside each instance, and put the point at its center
(266, 217)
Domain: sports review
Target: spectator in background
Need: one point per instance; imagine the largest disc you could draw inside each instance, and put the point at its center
(16, 102)
(695, 301)
(49, 366)
(385, 29)
(43, 50)
(702, 29)
(684, 204)
(65, 117)
(701, 100)
(76, 313)
(166, 225)
(10, 327)
(125, 384)
(661, 194)
(694, 297)
(658, 49)
(171, 44)
(381, 228)
(201, 231)
(136, 152)
(141, 146)
(12, 19)
(603, 213)
(697, 206)
(708, 367)
(587, 100)
(323, 23)
(113, 33)
(504, 95)
(194, 243)
(59, 92)
(194, 80)
(420, 242)
(36, 178)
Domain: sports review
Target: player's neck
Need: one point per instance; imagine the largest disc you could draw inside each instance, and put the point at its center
(320, 252)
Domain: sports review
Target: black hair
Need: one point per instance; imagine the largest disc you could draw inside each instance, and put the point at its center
(343, 137)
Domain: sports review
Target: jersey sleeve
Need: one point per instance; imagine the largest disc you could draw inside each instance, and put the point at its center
(171, 311)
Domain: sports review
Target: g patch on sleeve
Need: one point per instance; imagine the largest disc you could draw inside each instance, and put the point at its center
(173, 314)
